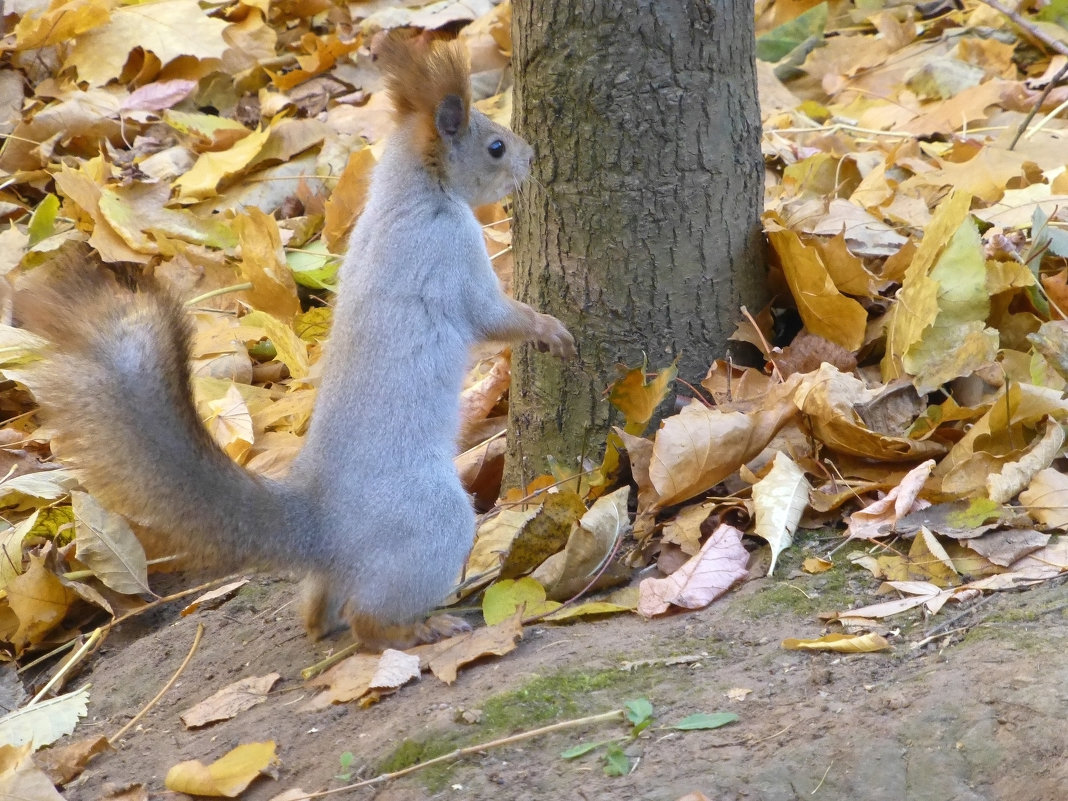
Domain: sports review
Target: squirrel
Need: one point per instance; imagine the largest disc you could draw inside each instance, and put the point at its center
(372, 509)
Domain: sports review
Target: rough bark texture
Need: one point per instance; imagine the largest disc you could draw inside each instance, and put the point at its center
(640, 230)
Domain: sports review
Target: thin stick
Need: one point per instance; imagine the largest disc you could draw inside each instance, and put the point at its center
(144, 710)
(226, 290)
(330, 661)
(1038, 105)
(1032, 30)
(471, 749)
(74, 659)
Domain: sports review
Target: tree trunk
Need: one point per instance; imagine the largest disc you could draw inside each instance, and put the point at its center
(641, 228)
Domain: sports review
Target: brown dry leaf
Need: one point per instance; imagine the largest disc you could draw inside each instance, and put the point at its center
(361, 675)
(478, 399)
(718, 566)
(227, 776)
(1007, 547)
(543, 534)
(213, 598)
(829, 399)
(107, 545)
(877, 519)
(699, 447)
(64, 763)
(347, 199)
(840, 643)
(825, 311)
(591, 542)
(203, 179)
(263, 263)
(444, 659)
(229, 701)
(39, 600)
(20, 779)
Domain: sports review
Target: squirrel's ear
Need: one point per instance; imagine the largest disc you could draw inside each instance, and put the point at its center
(449, 117)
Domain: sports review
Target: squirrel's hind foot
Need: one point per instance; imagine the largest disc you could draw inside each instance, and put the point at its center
(376, 636)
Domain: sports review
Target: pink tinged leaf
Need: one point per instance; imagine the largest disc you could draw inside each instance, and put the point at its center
(878, 519)
(158, 96)
(719, 565)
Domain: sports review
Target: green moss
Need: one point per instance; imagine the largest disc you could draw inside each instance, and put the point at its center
(805, 596)
(541, 701)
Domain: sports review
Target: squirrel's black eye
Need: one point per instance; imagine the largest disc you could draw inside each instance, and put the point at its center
(496, 148)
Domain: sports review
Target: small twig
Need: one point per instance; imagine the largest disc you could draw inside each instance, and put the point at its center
(947, 624)
(775, 374)
(226, 290)
(933, 637)
(1038, 105)
(144, 710)
(1032, 30)
(469, 750)
(823, 778)
(330, 661)
(74, 659)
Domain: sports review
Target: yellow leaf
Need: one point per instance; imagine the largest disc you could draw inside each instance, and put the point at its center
(841, 643)
(291, 349)
(166, 28)
(263, 263)
(916, 304)
(347, 199)
(39, 600)
(508, 596)
(638, 398)
(227, 776)
(107, 544)
(64, 20)
(230, 423)
(202, 180)
(825, 311)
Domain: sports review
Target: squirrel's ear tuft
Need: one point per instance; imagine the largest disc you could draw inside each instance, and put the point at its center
(423, 79)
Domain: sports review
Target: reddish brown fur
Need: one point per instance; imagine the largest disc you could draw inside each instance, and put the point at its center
(418, 78)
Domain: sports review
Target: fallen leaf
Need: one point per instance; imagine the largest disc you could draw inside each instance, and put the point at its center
(108, 546)
(20, 779)
(214, 597)
(444, 659)
(45, 722)
(877, 519)
(64, 763)
(719, 565)
(840, 643)
(229, 701)
(227, 776)
(779, 499)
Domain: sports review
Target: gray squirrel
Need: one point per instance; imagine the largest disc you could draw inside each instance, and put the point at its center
(372, 509)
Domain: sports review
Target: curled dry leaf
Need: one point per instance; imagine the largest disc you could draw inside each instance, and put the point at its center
(841, 643)
(719, 565)
(877, 519)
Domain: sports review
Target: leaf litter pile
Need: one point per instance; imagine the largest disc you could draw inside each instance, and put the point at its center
(911, 403)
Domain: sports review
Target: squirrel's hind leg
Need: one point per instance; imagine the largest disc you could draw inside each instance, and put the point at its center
(320, 609)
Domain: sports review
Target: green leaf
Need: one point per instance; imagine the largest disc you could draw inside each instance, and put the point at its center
(776, 44)
(616, 762)
(575, 751)
(503, 599)
(314, 266)
(43, 222)
(704, 720)
(638, 710)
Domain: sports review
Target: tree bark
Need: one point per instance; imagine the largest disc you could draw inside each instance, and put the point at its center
(641, 227)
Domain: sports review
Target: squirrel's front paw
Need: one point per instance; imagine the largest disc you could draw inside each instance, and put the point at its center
(552, 336)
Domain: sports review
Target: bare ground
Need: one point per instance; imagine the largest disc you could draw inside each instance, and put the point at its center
(977, 714)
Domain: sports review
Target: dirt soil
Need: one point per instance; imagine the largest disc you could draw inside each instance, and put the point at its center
(975, 714)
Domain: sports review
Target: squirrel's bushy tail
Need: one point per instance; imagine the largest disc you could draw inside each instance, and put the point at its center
(116, 384)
